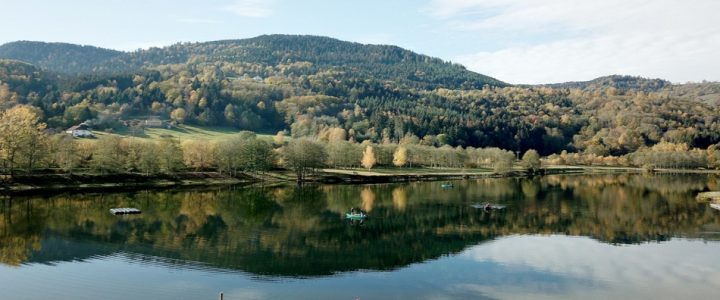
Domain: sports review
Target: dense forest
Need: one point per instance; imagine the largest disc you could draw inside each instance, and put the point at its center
(310, 86)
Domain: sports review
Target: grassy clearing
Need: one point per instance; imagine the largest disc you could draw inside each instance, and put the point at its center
(181, 133)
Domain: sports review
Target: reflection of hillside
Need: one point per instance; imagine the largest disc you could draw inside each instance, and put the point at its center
(299, 231)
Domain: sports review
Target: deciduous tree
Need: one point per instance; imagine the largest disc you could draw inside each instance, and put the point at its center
(400, 157)
(368, 159)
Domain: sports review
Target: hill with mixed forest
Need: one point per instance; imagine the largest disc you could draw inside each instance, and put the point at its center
(59, 57)
(303, 54)
(621, 82)
(312, 86)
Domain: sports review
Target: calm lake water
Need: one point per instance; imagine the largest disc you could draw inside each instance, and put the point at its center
(590, 237)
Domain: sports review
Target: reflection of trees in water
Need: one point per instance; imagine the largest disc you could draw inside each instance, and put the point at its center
(368, 199)
(631, 208)
(300, 231)
(399, 197)
(20, 231)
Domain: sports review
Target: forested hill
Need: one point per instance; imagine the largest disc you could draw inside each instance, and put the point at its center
(59, 57)
(304, 55)
(620, 82)
(330, 89)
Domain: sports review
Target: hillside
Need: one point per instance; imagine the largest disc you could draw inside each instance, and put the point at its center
(706, 92)
(21, 82)
(306, 54)
(620, 82)
(316, 86)
(58, 57)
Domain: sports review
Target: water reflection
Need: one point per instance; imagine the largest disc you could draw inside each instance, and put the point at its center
(300, 232)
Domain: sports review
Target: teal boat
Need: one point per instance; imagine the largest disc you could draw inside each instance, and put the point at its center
(355, 216)
(447, 185)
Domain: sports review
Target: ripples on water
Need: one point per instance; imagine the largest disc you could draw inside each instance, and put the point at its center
(599, 236)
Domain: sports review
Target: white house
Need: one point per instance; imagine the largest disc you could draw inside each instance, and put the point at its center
(81, 131)
(153, 122)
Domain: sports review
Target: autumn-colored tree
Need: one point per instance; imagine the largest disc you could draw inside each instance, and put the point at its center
(302, 156)
(178, 115)
(279, 138)
(531, 160)
(21, 136)
(368, 159)
(198, 154)
(337, 134)
(400, 157)
(227, 155)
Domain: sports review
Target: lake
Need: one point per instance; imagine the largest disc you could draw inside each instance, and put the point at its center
(561, 236)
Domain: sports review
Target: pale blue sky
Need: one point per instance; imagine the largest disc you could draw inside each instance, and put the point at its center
(519, 41)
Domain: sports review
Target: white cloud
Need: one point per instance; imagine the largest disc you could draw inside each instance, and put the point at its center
(672, 39)
(678, 268)
(251, 8)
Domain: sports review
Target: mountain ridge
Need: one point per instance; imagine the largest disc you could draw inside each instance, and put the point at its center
(57, 57)
(621, 82)
(381, 61)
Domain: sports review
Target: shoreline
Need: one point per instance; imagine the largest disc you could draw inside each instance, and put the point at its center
(124, 181)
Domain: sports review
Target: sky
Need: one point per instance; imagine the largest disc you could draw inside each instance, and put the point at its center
(517, 41)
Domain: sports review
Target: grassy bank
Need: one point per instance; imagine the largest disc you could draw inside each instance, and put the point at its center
(36, 182)
(40, 182)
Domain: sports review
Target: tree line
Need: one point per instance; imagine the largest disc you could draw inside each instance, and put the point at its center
(26, 146)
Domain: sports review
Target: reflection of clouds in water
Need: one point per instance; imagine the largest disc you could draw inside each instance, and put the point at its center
(246, 294)
(675, 269)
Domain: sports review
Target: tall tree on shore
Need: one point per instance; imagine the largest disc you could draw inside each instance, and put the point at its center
(198, 154)
(21, 136)
(368, 159)
(109, 154)
(64, 152)
(531, 160)
(400, 157)
(170, 155)
(303, 156)
(256, 155)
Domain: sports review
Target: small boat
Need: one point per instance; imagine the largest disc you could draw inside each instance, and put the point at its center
(355, 214)
(447, 185)
(125, 211)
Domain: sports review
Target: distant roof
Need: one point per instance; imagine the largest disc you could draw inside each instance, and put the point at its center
(79, 127)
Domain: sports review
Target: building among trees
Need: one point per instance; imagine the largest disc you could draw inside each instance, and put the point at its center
(80, 131)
